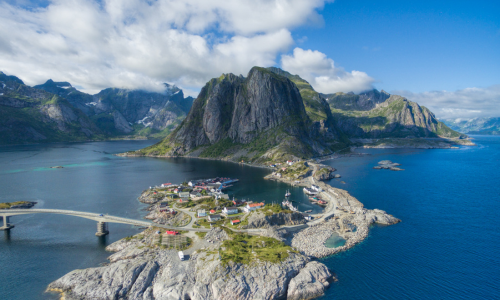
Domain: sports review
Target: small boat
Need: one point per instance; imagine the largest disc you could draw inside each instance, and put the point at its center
(288, 194)
(308, 211)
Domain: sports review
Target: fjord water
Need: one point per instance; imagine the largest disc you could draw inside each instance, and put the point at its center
(447, 245)
(445, 248)
(42, 247)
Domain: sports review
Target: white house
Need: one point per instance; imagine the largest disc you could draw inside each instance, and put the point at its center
(316, 188)
(201, 213)
(230, 210)
(253, 206)
(184, 194)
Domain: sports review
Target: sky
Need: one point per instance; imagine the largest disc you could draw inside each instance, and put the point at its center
(442, 54)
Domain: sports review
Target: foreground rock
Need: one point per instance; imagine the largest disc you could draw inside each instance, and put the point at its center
(138, 272)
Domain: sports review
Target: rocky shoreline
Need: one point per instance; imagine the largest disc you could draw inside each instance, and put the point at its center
(140, 269)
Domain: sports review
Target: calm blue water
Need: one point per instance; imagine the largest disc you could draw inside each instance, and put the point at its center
(447, 246)
(42, 248)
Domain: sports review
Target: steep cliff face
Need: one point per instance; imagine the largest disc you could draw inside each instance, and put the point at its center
(261, 116)
(380, 115)
(30, 115)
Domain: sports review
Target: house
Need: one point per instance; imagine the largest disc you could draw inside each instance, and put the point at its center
(176, 191)
(214, 218)
(171, 232)
(283, 169)
(307, 217)
(233, 222)
(230, 210)
(192, 183)
(163, 207)
(253, 206)
(184, 194)
(212, 211)
(166, 184)
(201, 213)
(289, 162)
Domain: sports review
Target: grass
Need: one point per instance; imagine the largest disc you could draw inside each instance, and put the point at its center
(271, 209)
(244, 249)
(201, 234)
(7, 205)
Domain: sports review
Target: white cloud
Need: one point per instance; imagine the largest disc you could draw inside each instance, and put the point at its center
(322, 73)
(466, 103)
(139, 43)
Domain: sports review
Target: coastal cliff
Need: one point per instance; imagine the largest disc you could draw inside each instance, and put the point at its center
(137, 271)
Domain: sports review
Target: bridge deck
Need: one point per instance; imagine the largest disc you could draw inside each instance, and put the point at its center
(93, 216)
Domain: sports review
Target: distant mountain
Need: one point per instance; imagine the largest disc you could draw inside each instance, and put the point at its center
(128, 112)
(30, 115)
(375, 114)
(255, 118)
(488, 126)
(57, 112)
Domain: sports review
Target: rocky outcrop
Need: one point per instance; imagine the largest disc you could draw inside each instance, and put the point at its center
(311, 282)
(324, 172)
(141, 273)
(260, 220)
(261, 116)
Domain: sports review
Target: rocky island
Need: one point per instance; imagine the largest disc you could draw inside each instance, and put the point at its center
(271, 254)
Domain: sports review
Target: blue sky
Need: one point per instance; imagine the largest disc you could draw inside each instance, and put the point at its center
(412, 45)
(441, 54)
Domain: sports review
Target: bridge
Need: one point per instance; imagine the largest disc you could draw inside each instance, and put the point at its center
(102, 220)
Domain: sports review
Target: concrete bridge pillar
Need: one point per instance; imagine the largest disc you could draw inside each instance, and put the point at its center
(5, 223)
(102, 229)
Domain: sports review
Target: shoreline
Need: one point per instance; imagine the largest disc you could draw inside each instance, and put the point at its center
(159, 270)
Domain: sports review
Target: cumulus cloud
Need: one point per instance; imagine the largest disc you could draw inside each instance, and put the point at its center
(465, 103)
(139, 43)
(322, 74)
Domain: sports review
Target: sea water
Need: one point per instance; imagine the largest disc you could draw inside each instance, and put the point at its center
(446, 246)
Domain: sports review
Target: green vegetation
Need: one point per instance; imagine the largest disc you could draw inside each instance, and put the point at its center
(218, 149)
(7, 205)
(271, 209)
(244, 249)
(201, 234)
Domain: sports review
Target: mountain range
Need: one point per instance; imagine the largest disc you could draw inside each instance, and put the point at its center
(488, 126)
(58, 112)
(271, 115)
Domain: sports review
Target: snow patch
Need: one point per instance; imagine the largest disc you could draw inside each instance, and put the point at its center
(90, 103)
(144, 122)
(1, 94)
(64, 87)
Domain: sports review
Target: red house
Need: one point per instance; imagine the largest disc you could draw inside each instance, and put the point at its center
(235, 222)
(169, 232)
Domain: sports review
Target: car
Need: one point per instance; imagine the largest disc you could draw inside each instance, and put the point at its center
(101, 215)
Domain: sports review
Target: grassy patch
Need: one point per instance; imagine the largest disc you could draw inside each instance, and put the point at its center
(244, 248)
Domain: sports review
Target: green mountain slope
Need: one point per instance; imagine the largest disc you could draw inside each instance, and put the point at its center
(379, 115)
(29, 115)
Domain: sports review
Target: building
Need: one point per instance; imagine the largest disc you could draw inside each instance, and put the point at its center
(214, 218)
(171, 232)
(253, 206)
(163, 207)
(212, 211)
(166, 184)
(184, 194)
(230, 210)
(201, 213)
(289, 162)
(233, 222)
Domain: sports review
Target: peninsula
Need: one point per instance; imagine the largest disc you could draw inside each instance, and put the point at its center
(256, 252)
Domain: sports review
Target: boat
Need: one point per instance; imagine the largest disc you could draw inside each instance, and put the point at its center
(288, 194)
(308, 211)
(310, 191)
(289, 205)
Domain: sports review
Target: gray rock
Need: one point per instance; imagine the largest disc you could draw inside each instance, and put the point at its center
(311, 282)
